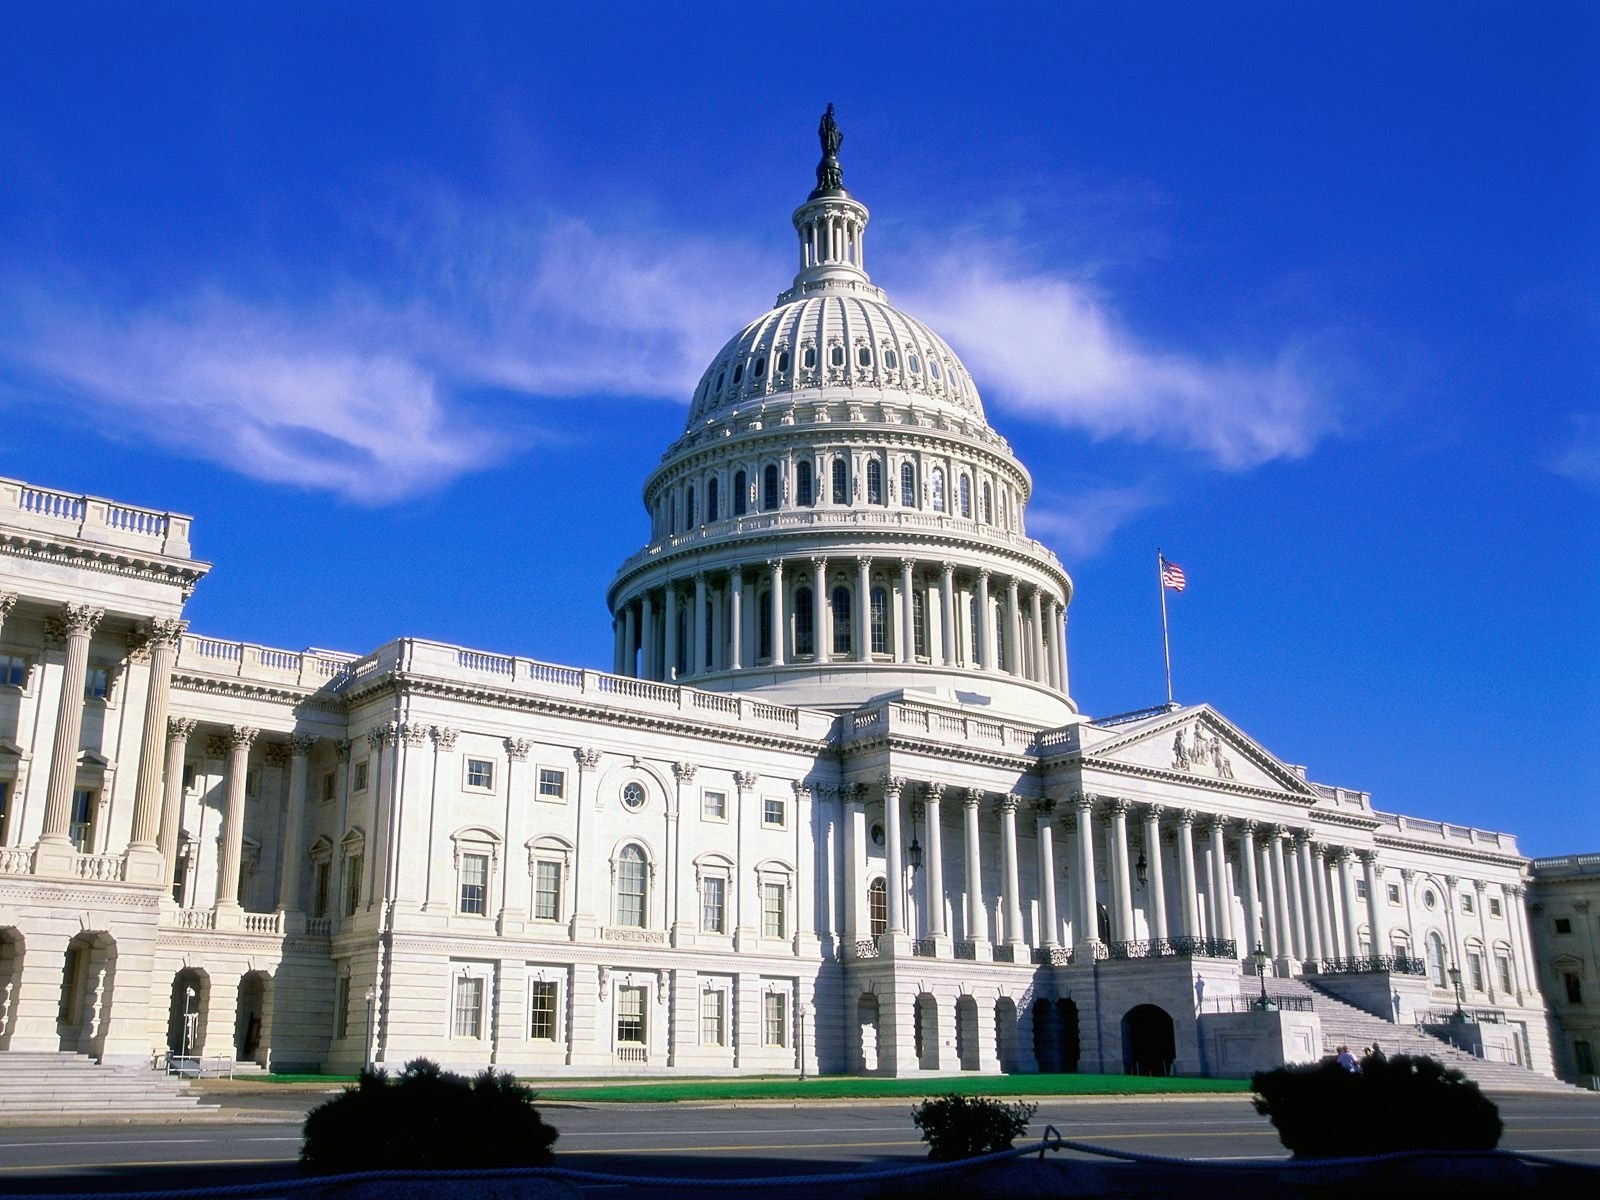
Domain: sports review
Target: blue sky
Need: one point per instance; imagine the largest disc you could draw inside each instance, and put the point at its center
(404, 301)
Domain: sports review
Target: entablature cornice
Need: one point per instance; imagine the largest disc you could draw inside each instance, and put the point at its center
(181, 572)
(1181, 779)
(937, 751)
(1486, 858)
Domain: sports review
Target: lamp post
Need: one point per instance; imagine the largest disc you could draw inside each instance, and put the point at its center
(800, 1037)
(1141, 870)
(1460, 1015)
(1261, 959)
(190, 1019)
(366, 1054)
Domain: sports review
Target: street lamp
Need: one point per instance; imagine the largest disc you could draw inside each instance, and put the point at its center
(191, 1018)
(800, 1035)
(1142, 869)
(914, 853)
(1459, 1016)
(1261, 957)
(366, 1055)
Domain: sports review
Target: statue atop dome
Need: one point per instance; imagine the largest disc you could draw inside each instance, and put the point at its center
(830, 176)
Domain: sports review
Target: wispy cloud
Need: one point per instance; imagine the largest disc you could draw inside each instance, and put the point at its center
(1080, 525)
(1050, 347)
(1579, 459)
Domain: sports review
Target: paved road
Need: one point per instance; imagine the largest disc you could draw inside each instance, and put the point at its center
(712, 1141)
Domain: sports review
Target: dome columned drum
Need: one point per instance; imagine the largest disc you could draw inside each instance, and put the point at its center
(838, 521)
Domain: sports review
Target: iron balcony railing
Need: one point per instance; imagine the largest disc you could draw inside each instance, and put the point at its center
(1180, 947)
(1393, 964)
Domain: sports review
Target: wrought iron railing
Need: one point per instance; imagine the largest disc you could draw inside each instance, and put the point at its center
(1244, 1003)
(1005, 953)
(966, 950)
(1180, 947)
(922, 948)
(1054, 956)
(1393, 964)
(866, 947)
(1447, 1016)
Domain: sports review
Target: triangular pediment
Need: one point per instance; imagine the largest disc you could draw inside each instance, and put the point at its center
(1198, 743)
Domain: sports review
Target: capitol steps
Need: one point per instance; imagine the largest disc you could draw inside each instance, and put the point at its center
(44, 1087)
(1345, 1025)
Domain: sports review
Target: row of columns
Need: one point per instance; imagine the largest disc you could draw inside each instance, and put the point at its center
(1033, 627)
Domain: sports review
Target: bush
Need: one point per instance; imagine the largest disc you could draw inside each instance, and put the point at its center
(426, 1119)
(967, 1126)
(1405, 1103)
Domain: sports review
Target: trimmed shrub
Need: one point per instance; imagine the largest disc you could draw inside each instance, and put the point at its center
(967, 1126)
(1406, 1103)
(426, 1119)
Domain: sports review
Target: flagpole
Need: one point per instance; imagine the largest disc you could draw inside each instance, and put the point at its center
(1166, 643)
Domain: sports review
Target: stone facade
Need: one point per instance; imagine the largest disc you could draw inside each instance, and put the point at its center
(1564, 911)
(832, 810)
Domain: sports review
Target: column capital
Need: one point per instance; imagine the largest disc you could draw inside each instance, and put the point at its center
(1369, 857)
(444, 738)
(1478, 886)
(242, 737)
(973, 798)
(907, 563)
(301, 745)
(413, 734)
(8, 601)
(982, 575)
(1408, 874)
(179, 729)
(1249, 827)
(892, 786)
(1008, 802)
(948, 571)
(802, 790)
(1011, 585)
(933, 791)
(71, 620)
(380, 737)
(517, 748)
(1452, 882)
(1151, 812)
(588, 758)
(341, 748)
(275, 754)
(163, 632)
(683, 772)
(746, 780)
(1083, 802)
(1045, 806)
(1214, 825)
(1187, 816)
(1118, 807)
(1511, 889)
(775, 563)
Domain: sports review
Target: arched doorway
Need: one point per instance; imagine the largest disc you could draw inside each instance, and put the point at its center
(87, 977)
(1005, 1033)
(1069, 1046)
(1148, 1044)
(191, 992)
(11, 948)
(967, 1033)
(251, 1013)
(1103, 922)
(1046, 1037)
(925, 1032)
(867, 1024)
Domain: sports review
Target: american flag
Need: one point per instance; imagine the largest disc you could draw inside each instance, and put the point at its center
(1172, 576)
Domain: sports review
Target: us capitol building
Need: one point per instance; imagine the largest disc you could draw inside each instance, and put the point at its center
(832, 810)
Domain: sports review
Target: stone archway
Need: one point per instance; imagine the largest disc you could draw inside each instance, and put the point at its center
(191, 993)
(1046, 1037)
(925, 1031)
(867, 1014)
(1149, 1045)
(967, 1055)
(12, 946)
(88, 976)
(250, 1016)
(1007, 1034)
(1070, 1047)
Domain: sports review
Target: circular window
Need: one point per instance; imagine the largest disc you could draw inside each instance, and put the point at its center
(1429, 899)
(877, 835)
(633, 797)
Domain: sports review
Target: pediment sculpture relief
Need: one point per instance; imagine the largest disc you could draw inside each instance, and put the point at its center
(1199, 751)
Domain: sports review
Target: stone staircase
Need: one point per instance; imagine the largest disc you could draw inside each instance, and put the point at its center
(61, 1088)
(1345, 1025)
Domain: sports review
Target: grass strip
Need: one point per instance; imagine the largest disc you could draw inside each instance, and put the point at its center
(854, 1087)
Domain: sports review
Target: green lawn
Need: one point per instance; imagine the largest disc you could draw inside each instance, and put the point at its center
(855, 1088)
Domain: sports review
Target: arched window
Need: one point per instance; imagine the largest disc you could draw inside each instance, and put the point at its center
(874, 482)
(803, 495)
(919, 623)
(841, 481)
(864, 356)
(986, 513)
(805, 622)
(841, 620)
(1436, 958)
(938, 489)
(975, 627)
(741, 492)
(877, 906)
(631, 881)
(672, 515)
(908, 485)
(712, 512)
(880, 620)
(966, 497)
(808, 357)
(836, 355)
(769, 488)
(688, 508)
(999, 638)
(764, 625)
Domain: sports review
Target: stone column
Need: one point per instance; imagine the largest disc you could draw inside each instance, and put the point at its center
(1221, 893)
(1157, 894)
(777, 610)
(240, 739)
(701, 626)
(1121, 885)
(977, 914)
(934, 879)
(1330, 932)
(178, 731)
(1191, 923)
(1305, 887)
(852, 809)
(864, 609)
(8, 601)
(1254, 933)
(1522, 941)
(821, 610)
(1269, 904)
(1380, 933)
(1286, 950)
(984, 632)
(1050, 933)
(1015, 656)
(145, 840)
(680, 884)
(894, 884)
(1483, 932)
(1304, 941)
(293, 814)
(647, 637)
(74, 624)
(1452, 899)
(736, 621)
(630, 639)
(1058, 630)
(1008, 861)
(669, 635)
(947, 613)
(619, 636)
(1407, 879)
(1088, 904)
(1347, 893)
(908, 642)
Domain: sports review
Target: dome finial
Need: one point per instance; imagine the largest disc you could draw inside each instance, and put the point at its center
(830, 177)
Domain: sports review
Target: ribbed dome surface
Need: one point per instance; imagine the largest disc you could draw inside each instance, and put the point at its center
(834, 339)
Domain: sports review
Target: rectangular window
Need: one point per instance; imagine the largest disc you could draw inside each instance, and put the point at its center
(1361, 889)
(713, 904)
(630, 1015)
(1563, 925)
(772, 915)
(552, 783)
(1394, 893)
(352, 884)
(97, 683)
(81, 828)
(341, 1009)
(714, 1018)
(330, 786)
(878, 605)
(358, 778)
(1504, 964)
(188, 777)
(1494, 906)
(773, 811)
(1466, 902)
(714, 806)
(319, 889)
(542, 1012)
(546, 890)
(467, 1015)
(480, 773)
(13, 671)
(1574, 983)
(774, 1027)
(1475, 969)
(474, 883)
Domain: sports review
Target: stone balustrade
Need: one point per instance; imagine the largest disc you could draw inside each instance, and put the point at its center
(93, 519)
